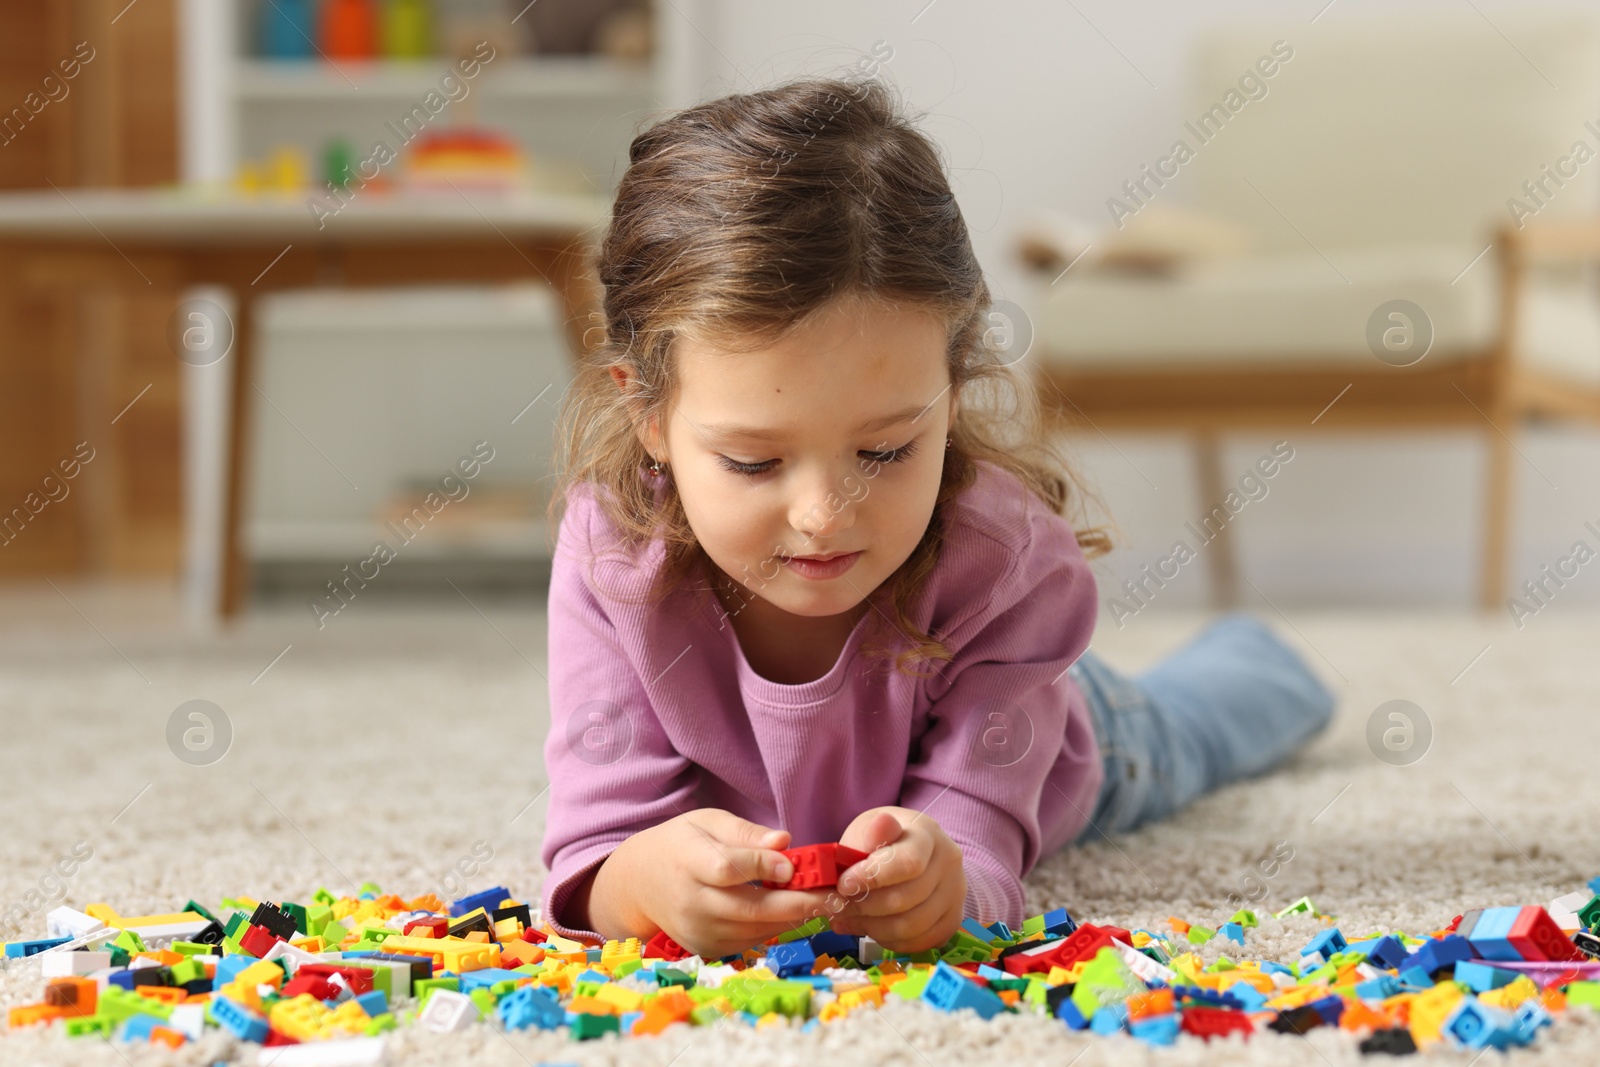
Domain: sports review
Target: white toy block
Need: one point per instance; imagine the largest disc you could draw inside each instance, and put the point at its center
(448, 1011)
(339, 1052)
(69, 964)
(69, 922)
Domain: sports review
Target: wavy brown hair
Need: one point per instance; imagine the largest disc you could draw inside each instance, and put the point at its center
(735, 220)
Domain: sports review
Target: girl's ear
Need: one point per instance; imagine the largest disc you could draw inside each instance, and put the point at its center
(648, 430)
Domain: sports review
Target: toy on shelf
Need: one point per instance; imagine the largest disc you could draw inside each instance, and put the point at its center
(465, 158)
(287, 171)
(407, 29)
(288, 29)
(349, 29)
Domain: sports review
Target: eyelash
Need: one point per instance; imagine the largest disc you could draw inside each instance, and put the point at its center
(752, 470)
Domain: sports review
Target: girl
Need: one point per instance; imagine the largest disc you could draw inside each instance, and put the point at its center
(812, 582)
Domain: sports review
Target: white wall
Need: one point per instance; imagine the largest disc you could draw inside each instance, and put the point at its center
(1054, 104)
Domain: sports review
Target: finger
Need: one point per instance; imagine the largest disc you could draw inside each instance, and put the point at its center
(871, 830)
(890, 865)
(928, 925)
(731, 829)
(895, 899)
(779, 910)
(717, 864)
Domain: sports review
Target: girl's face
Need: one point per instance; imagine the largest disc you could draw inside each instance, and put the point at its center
(829, 442)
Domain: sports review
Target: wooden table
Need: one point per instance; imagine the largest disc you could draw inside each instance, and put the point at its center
(187, 237)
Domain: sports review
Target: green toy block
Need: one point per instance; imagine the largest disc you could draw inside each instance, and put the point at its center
(298, 913)
(186, 972)
(968, 954)
(1033, 924)
(1303, 906)
(130, 942)
(586, 1027)
(910, 987)
(627, 967)
(702, 994)
(1199, 935)
(1222, 963)
(423, 988)
(191, 948)
(120, 956)
(381, 1024)
(93, 1024)
(1589, 914)
(1246, 918)
(669, 976)
(1326, 973)
(1586, 993)
(484, 1000)
(235, 903)
(786, 998)
(1157, 951)
(318, 916)
(815, 926)
(235, 924)
(370, 887)
(322, 896)
(586, 988)
(1037, 992)
(334, 932)
(1105, 980)
(705, 1015)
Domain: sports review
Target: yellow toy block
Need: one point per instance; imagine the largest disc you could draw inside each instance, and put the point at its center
(833, 1010)
(625, 999)
(1430, 1009)
(854, 998)
(262, 972)
(124, 921)
(299, 1017)
(1511, 995)
(347, 1020)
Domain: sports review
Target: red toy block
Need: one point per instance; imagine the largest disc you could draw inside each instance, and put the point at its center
(258, 940)
(817, 866)
(314, 984)
(1215, 1022)
(278, 1037)
(1083, 943)
(438, 924)
(662, 947)
(1536, 937)
(358, 979)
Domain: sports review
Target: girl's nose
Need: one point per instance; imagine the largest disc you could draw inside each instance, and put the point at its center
(822, 509)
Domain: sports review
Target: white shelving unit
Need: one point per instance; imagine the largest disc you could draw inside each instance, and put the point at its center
(573, 116)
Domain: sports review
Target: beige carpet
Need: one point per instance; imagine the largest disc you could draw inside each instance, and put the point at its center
(389, 744)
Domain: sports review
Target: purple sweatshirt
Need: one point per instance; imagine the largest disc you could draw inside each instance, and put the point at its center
(654, 712)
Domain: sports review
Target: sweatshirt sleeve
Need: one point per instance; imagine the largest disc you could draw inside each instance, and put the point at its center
(612, 770)
(1000, 711)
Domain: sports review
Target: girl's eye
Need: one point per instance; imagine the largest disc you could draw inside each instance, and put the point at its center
(752, 470)
(904, 452)
(747, 469)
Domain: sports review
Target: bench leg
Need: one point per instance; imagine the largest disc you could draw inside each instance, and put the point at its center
(1222, 565)
(1496, 519)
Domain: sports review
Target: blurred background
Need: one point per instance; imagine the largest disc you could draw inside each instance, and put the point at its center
(1321, 239)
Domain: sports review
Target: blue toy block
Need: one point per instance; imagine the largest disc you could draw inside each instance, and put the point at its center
(1379, 988)
(1109, 1018)
(530, 1006)
(977, 930)
(16, 950)
(1068, 1013)
(376, 1002)
(122, 979)
(1249, 997)
(1325, 945)
(1057, 923)
(1274, 967)
(1481, 977)
(990, 972)
(1330, 1008)
(492, 976)
(1489, 935)
(239, 1020)
(1415, 980)
(1233, 932)
(810, 1025)
(791, 958)
(949, 990)
(1594, 886)
(1158, 1030)
(837, 945)
(1437, 955)
(815, 981)
(1474, 1024)
(1209, 998)
(1386, 952)
(1000, 930)
(628, 1019)
(1529, 1017)
(489, 899)
(137, 1027)
(228, 968)
(590, 975)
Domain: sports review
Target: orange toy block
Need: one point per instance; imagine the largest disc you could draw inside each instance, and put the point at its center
(74, 997)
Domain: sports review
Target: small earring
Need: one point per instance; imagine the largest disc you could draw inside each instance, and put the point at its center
(948, 441)
(655, 468)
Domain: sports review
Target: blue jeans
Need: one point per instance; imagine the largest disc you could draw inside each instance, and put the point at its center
(1232, 703)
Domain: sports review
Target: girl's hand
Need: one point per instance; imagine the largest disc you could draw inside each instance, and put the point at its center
(909, 894)
(690, 876)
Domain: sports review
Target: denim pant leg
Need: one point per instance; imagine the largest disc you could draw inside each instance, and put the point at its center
(1231, 704)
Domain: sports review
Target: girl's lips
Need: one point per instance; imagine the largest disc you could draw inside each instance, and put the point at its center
(822, 570)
